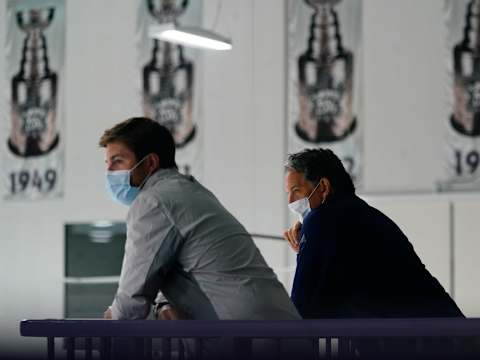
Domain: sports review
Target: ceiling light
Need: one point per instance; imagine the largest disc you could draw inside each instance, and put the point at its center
(189, 36)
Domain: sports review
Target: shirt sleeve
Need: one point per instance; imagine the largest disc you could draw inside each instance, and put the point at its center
(150, 250)
(312, 287)
(160, 298)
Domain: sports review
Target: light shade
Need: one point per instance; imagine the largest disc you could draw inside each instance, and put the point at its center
(189, 36)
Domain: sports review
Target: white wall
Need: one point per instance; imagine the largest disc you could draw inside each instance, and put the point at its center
(97, 96)
(244, 115)
(466, 250)
(244, 112)
(244, 127)
(404, 94)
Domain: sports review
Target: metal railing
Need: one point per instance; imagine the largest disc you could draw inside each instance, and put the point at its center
(452, 338)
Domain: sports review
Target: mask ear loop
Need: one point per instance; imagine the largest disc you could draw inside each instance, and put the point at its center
(309, 196)
(138, 163)
(144, 180)
(146, 177)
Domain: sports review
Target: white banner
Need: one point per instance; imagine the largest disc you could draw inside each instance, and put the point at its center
(462, 127)
(324, 43)
(31, 135)
(169, 77)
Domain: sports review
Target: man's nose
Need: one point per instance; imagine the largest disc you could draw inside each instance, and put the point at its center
(290, 198)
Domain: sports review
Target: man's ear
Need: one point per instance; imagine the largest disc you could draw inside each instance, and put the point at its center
(154, 163)
(325, 187)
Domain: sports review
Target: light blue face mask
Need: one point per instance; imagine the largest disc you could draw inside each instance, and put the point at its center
(118, 185)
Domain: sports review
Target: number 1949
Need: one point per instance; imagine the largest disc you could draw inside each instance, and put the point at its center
(23, 180)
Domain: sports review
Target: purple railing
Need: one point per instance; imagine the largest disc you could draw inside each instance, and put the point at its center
(339, 339)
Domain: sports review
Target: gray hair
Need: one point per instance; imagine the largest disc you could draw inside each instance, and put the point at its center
(319, 163)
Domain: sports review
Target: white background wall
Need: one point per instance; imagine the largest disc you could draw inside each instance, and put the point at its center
(244, 129)
(405, 111)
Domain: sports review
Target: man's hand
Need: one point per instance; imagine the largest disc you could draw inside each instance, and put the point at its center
(167, 312)
(292, 235)
(107, 315)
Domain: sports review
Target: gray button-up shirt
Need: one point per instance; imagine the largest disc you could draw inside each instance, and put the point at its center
(183, 242)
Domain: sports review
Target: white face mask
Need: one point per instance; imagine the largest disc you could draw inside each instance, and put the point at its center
(301, 207)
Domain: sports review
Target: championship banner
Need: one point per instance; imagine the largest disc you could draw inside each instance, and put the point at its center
(324, 39)
(169, 78)
(462, 127)
(31, 130)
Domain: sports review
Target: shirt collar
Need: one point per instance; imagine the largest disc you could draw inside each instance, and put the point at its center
(160, 175)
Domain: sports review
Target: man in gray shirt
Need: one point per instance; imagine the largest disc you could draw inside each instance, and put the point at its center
(182, 244)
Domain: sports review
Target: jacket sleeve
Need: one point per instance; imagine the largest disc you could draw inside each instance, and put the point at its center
(150, 250)
(312, 286)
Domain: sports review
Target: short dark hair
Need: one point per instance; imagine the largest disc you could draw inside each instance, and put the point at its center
(143, 136)
(319, 163)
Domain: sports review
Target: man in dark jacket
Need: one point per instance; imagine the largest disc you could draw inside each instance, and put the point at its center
(353, 261)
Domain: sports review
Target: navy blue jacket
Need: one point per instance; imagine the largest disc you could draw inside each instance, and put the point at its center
(354, 262)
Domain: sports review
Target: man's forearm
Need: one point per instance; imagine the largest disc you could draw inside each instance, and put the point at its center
(129, 308)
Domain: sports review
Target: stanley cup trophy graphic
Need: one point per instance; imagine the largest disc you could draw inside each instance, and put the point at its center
(463, 132)
(34, 90)
(466, 58)
(325, 73)
(168, 78)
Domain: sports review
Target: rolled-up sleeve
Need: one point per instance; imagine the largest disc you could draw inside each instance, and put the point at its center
(150, 250)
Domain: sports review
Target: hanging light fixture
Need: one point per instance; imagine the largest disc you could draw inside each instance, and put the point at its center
(189, 36)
